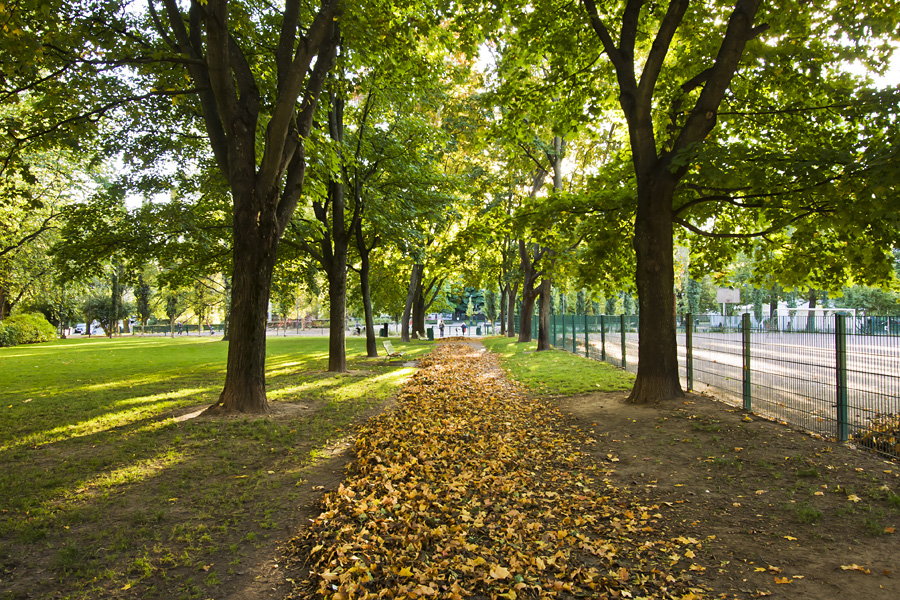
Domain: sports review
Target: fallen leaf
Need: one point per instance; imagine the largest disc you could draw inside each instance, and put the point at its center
(853, 498)
(855, 567)
(782, 580)
(498, 572)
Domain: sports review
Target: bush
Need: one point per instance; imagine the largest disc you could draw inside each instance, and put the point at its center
(30, 328)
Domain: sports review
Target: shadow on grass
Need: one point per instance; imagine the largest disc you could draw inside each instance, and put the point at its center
(108, 466)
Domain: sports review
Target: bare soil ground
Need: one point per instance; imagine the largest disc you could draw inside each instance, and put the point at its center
(782, 513)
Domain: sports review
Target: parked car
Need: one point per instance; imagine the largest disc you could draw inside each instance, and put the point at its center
(79, 328)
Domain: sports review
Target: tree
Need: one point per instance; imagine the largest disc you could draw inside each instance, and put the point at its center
(255, 75)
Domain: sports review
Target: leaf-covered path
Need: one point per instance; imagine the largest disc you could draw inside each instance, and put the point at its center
(471, 489)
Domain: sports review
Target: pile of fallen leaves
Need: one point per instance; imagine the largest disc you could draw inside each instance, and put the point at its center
(471, 489)
(882, 435)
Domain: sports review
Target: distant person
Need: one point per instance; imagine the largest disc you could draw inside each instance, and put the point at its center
(179, 327)
(441, 327)
(211, 330)
(464, 329)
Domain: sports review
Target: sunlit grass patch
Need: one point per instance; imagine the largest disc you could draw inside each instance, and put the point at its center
(113, 478)
(555, 371)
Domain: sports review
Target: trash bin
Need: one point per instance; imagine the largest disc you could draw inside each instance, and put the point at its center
(384, 330)
(478, 330)
(430, 332)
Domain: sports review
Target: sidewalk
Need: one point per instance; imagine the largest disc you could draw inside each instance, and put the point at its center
(469, 488)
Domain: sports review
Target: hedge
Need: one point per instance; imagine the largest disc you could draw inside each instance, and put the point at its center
(29, 328)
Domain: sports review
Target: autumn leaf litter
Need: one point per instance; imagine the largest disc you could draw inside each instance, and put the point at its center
(470, 488)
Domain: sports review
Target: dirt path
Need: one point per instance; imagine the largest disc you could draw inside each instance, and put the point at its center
(792, 516)
(471, 488)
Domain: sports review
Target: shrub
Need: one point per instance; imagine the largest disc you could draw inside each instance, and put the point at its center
(29, 328)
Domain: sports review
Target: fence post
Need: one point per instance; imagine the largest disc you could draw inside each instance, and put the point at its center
(563, 319)
(553, 341)
(587, 340)
(574, 334)
(745, 334)
(622, 327)
(603, 338)
(689, 351)
(840, 347)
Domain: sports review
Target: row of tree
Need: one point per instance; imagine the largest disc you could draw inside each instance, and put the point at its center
(423, 145)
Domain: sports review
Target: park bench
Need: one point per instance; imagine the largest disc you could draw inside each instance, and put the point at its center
(389, 348)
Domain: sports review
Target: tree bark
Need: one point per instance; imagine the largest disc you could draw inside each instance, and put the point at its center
(511, 309)
(366, 288)
(503, 292)
(810, 316)
(658, 348)
(415, 279)
(544, 316)
(530, 291)
(254, 261)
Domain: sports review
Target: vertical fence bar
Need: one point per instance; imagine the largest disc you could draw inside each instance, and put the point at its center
(689, 351)
(587, 344)
(603, 338)
(574, 335)
(563, 319)
(841, 396)
(622, 328)
(745, 334)
(553, 341)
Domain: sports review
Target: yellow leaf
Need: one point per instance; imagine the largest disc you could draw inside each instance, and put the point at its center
(890, 530)
(853, 498)
(405, 572)
(510, 595)
(498, 572)
(782, 580)
(855, 567)
(790, 537)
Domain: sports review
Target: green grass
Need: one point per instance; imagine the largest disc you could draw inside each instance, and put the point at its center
(109, 475)
(556, 372)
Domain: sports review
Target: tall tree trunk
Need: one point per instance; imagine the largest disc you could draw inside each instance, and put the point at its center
(503, 291)
(114, 304)
(364, 284)
(337, 312)
(544, 316)
(415, 279)
(525, 319)
(254, 260)
(654, 249)
(226, 326)
(811, 316)
(511, 309)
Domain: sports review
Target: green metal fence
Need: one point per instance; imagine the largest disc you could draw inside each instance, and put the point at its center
(833, 375)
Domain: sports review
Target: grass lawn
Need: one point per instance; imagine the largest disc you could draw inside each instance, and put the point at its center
(556, 372)
(112, 484)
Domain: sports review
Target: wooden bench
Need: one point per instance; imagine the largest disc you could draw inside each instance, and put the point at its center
(389, 348)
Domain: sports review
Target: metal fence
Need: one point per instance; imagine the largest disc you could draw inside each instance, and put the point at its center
(832, 375)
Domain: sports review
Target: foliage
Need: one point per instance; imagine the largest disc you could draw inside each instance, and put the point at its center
(872, 300)
(26, 328)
